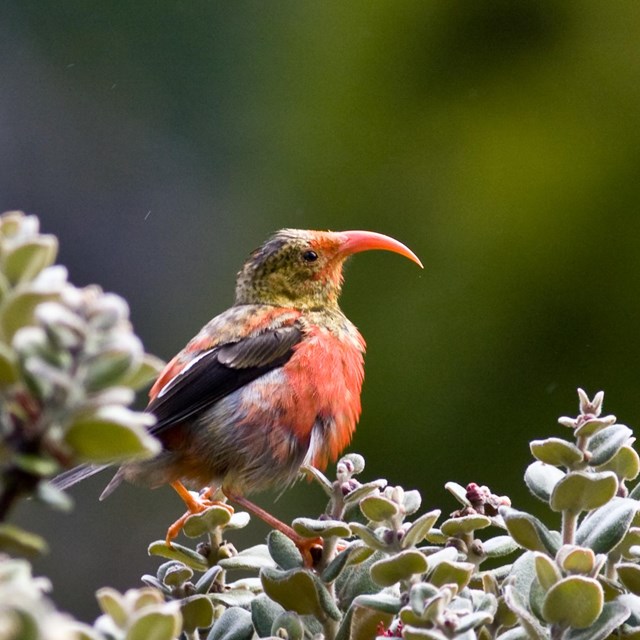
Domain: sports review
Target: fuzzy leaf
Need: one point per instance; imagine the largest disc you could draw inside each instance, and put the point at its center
(178, 552)
(207, 579)
(418, 530)
(541, 479)
(401, 566)
(155, 625)
(263, 613)
(198, 524)
(546, 570)
(146, 372)
(27, 260)
(299, 590)
(311, 528)
(625, 463)
(284, 551)
(362, 491)
(378, 508)
(556, 452)
(369, 537)
(499, 546)
(574, 559)
(529, 532)
(446, 572)
(233, 624)
(612, 616)
(249, 559)
(458, 492)
(197, 613)
(605, 444)
(574, 602)
(110, 434)
(534, 630)
(606, 527)
(465, 524)
(288, 625)
(581, 491)
(629, 575)
(335, 567)
(17, 541)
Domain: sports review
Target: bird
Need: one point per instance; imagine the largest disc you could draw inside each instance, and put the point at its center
(264, 388)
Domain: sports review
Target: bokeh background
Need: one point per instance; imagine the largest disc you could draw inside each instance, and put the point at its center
(163, 140)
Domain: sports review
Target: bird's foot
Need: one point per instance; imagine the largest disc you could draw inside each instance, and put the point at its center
(195, 504)
(310, 548)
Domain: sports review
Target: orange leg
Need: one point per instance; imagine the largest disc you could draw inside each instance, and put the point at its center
(309, 547)
(194, 505)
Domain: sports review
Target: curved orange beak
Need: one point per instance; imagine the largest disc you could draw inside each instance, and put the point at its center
(356, 241)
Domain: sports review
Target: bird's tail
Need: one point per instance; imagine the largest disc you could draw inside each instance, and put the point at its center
(77, 474)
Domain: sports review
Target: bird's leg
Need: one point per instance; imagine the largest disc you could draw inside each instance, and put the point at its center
(194, 505)
(309, 547)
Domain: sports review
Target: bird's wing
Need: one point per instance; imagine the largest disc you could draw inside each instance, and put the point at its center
(214, 373)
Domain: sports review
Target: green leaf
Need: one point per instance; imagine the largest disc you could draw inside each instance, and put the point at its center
(284, 551)
(534, 630)
(26, 260)
(541, 479)
(582, 491)
(112, 603)
(629, 575)
(556, 452)
(233, 624)
(401, 566)
(612, 616)
(301, 591)
(575, 559)
(145, 373)
(458, 492)
(263, 613)
(207, 579)
(53, 497)
(366, 613)
(363, 490)
(17, 541)
(606, 527)
(464, 524)
(546, 570)
(197, 613)
(178, 552)
(529, 532)
(605, 444)
(369, 537)
(446, 572)
(155, 625)
(625, 463)
(249, 559)
(288, 623)
(419, 529)
(378, 508)
(176, 574)
(591, 427)
(8, 366)
(312, 528)
(335, 567)
(209, 520)
(111, 433)
(575, 602)
(499, 546)
(17, 311)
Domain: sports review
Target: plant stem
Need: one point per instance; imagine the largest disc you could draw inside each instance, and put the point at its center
(569, 522)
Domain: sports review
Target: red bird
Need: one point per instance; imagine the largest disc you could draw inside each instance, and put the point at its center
(268, 385)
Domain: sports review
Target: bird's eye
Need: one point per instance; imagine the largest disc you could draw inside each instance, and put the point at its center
(309, 256)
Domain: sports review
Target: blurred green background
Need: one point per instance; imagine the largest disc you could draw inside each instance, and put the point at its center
(162, 141)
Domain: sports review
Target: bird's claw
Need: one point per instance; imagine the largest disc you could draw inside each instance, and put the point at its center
(195, 504)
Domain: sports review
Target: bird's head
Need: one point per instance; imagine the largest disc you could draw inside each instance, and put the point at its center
(303, 269)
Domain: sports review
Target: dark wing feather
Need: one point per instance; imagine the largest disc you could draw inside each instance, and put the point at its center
(220, 371)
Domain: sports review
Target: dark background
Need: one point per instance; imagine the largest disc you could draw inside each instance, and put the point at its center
(162, 141)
